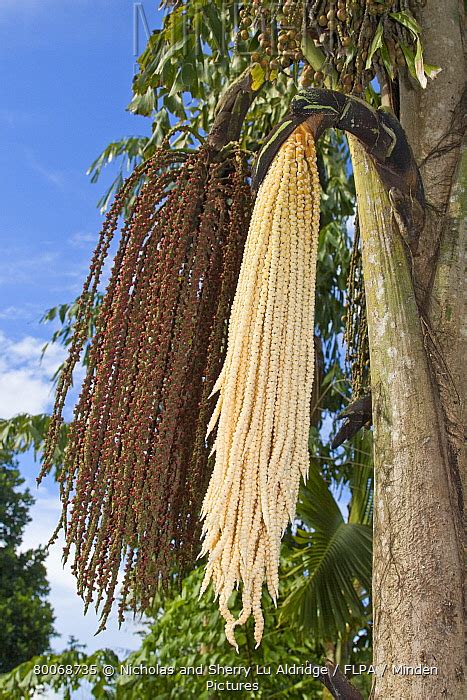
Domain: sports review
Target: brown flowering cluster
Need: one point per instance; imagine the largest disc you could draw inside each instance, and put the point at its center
(136, 464)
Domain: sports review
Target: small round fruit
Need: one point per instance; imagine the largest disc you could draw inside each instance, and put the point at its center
(305, 81)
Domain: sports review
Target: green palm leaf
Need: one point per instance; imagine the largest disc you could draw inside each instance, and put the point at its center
(331, 559)
(361, 480)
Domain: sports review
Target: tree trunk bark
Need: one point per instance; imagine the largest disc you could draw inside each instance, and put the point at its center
(434, 121)
(417, 578)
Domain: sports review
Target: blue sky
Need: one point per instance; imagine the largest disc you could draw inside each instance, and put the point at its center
(66, 68)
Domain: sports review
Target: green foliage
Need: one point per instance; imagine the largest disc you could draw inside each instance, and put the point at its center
(63, 672)
(337, 205)
(185, 68)
(25, 431)
(14, 505)
(66, 315)
(130, 151)
(188, 631)
(330, 561)
(26, 616)
(418, 69)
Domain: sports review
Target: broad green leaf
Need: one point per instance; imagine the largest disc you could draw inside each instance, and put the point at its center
(408, 21)
(178, 84)
(331, 556)
(409, 59)
(419, 69)
(176, 25)
(386, 59)
(432, 71)
(415, 64)
(258, 76)
(375, 44)
(168, 73)
(189, 77)
(143, 104)
(170, 53)
(215, 25)
(174, 104)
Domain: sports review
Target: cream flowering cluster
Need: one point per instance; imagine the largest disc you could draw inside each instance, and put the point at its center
(263, 409)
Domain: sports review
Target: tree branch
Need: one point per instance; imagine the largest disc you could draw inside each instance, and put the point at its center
(380, 134)
(231, 111)
(338, 684)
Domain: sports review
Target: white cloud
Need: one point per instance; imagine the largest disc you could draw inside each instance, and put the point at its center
(20, 392)
(25, 385)
(25, 267)
(55, 177)
(350, 225)
(83, 239)
(29, 311)
(61, 271)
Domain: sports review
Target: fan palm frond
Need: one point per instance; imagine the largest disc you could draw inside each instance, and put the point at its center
(361, 480)
(331, 560)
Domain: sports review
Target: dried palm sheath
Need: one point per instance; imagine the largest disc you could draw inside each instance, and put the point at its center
(263, 408)
(136, 463)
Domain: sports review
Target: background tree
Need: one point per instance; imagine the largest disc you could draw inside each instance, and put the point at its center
(26, 615)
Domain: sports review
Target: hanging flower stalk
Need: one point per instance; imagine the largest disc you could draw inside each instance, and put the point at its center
(136, 463)
(357, 355)
(263, 408)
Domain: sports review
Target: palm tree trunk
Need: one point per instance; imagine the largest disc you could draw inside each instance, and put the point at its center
(417, 578)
